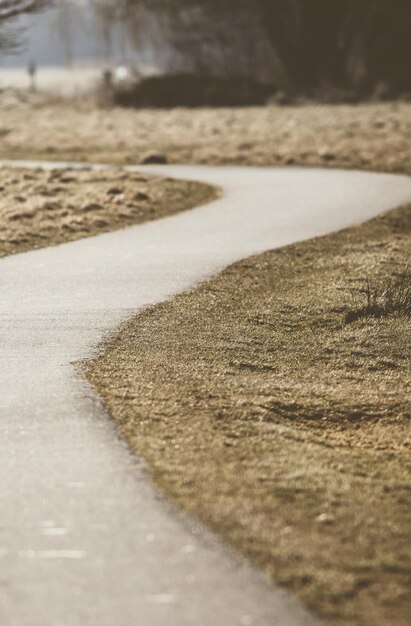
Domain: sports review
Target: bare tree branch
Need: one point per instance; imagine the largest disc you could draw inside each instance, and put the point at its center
(13, 8)
(10, 10)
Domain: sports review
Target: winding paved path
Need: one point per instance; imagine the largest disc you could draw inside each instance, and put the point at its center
(84, 538)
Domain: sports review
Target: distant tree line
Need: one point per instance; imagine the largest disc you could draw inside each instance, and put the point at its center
(348, 44)
(357, 44)
(300, 46)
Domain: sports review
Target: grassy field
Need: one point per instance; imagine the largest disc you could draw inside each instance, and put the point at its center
(283, 425)
(273, 401)
(367, 136)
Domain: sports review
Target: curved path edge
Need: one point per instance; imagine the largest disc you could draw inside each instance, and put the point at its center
(84, 538)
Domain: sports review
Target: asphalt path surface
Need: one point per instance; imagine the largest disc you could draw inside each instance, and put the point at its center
(85, 540)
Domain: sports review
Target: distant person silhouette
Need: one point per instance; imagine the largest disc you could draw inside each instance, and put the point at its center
(108, 79)
(32, 71)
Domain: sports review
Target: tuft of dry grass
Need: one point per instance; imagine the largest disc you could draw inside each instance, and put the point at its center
(383, 300)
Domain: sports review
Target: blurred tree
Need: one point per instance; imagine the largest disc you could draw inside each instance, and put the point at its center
(347, 43)
(108, 14)
(67, 20)
(380, 30)
(357, 45)
(204, 36)
(306, 35)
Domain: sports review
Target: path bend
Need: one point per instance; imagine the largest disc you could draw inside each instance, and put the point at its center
(84, 538)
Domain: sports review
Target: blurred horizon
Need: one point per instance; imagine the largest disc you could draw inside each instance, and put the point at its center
(350, 49)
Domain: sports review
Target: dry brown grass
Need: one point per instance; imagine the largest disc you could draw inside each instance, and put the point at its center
(256, 405)
(39, 208)
(384, 299)
(367, 136)
(261, 411)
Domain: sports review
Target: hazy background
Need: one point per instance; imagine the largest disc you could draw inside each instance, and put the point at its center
(342, 49)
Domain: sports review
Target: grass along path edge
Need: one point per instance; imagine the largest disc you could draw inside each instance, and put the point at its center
(261, 410)
(45, 207)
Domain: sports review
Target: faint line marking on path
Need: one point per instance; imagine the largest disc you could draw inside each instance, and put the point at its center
(162, 598)
(53, 554)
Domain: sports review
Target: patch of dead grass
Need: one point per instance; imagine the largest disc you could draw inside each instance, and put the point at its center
(384, 299)
(39, 208)
(366, 136)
